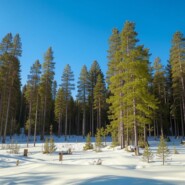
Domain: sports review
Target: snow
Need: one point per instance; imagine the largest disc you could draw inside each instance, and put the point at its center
(118, 166)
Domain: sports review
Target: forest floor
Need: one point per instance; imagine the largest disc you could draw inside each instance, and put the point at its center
(118, 166)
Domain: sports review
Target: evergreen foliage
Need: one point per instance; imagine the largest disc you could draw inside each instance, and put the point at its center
(88, 144)
(162, 151)
(147, 154)
(98, 142)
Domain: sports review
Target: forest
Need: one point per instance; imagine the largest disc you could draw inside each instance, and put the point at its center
(136, 97)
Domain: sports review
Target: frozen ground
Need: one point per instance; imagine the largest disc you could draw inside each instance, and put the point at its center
(118, 166)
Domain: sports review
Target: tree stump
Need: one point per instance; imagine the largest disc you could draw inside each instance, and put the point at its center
(60, 156)
(25, 152)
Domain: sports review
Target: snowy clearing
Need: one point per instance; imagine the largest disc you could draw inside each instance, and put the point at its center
(118, 166)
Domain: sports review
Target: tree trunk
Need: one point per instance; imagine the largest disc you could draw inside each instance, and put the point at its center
(182, 120)
(7, 115)
(66, 122)
(36, 115)
(135, 128)
(29, 126)
(44, 119)
(83, 122)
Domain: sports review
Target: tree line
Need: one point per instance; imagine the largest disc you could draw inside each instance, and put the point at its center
(134, 100)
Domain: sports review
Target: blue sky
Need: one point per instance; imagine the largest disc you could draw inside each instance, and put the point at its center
(78, 30)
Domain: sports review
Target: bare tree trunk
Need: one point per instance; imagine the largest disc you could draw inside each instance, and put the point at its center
(36, 115)
(135, 128)
(182, 120)
(83, 124)
(175, 124)
(66, 122)
(29, 126)
(44, 119)
(7, 115)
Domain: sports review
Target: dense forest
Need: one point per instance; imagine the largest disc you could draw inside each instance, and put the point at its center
(135, 99)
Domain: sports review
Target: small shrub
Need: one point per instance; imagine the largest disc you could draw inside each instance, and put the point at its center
(49, 146)
(88, 144)
(13, 148)
(175, 150)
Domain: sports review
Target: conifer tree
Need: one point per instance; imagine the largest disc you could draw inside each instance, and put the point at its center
(147, 154)
(59, 108)
(98, 142)
(99, 98)
(92, 78)
(177, 62)
(67, 86)
(83, 94)
(46, 87)
(162, 150)
(159, 87)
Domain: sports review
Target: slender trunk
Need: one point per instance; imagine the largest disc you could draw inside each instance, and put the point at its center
(154, 129)
(36, 115)
(171, 125)
(175, 125)
(11, 126)
(29, 126)
(7, 114)
(135, 128)
(59, 129)
(182, 120)
(83, 124)
(99, 115)
(44, 119)
(92, 114)
(145, 134)
(66, 122)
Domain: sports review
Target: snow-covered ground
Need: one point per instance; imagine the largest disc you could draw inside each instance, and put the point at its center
(118, 166)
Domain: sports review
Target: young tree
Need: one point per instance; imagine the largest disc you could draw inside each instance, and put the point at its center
(147, 154)
(162, 150)
(83, 94)
(67, 86)
(98, 142)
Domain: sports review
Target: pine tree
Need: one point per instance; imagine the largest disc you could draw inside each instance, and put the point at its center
(147, 154)
(59, 108)
(162, 150)
(45, 89)
(92, 78)
(67, 86)
(114, 46)
(99, 98)
(177, 62)
(83, 94)
(159, 88)
(88, 144)
(98, 142)
(32, 96)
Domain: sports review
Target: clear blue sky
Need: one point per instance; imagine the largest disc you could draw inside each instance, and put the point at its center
(78, 30)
